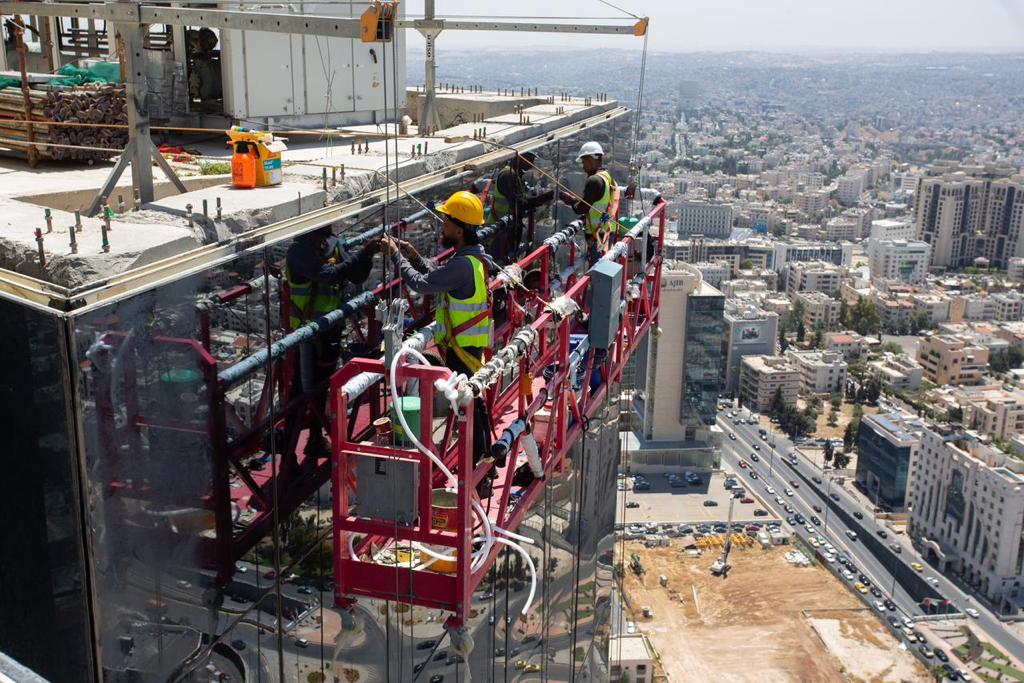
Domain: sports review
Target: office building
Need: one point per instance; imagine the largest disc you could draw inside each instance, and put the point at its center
(749, 331)
(762, 376)
(902, 260)
(967, 517)
(821, 372)
(804, 251)
(947, 359)
(891, 229)
(820, 310)
(703, 218)
(685, 364)
(887, 446)
(970, 213)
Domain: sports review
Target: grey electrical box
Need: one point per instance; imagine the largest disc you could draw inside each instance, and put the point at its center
(387, 489)
(605, 300)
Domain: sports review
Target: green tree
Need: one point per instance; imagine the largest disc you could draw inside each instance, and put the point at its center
(836, 400)
(830, 451)
(796, 315)
(841, 460)
(865, 318)
(891, 347)
(801, 331)
(844, 313)
(849, 435)
(746, 264)
(779, 230)
(783, 342)
(778, 404)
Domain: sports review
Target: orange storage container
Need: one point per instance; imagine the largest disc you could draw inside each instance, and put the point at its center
(243, 166)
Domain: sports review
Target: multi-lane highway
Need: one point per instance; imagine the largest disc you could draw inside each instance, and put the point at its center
(773, 468)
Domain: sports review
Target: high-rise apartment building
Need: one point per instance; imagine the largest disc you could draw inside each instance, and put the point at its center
(973, 212)
(821, 372)
(762, 376)
(967, 515)
(813, 276)
(849, 188)
(704, 218)
(820, 310)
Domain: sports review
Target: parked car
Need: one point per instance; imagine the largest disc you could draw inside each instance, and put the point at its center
(760, 513)
(747, 499)
(710, 503)
(632, 504)
(890, 605)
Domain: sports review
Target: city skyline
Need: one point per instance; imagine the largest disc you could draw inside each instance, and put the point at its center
(737, 25)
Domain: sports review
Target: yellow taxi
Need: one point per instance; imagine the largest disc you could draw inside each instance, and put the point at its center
(531, 668)
(861, 588)
(520, 663)
(917, 566)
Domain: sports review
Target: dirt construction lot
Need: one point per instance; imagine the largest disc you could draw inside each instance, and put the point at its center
(768, 621)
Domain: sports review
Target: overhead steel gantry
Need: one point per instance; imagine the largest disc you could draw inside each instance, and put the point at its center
(377, 24)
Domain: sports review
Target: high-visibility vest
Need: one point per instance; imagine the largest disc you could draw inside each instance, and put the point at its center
(466, 322)
(603, 210)
(499, 202)
(308, 300)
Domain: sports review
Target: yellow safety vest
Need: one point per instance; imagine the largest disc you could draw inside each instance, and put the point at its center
(603, 210)
(454, 316)
(499, 202)
(308, 300)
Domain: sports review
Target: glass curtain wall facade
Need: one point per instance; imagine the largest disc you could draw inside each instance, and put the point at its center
(882, 467)
(116, 440)
(703, 369)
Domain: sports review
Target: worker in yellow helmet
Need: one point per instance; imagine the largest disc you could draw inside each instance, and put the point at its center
(600, 201)
(463, 307)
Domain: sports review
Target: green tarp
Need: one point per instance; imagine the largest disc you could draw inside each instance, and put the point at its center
(104, 72)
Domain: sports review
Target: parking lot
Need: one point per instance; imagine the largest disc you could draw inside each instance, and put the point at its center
(685, 504)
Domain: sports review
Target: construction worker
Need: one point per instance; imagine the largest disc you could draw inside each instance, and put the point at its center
(463, 307)
(317, 271)
(510, 196)
(600, 202)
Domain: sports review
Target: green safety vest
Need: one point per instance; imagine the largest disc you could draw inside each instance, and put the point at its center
(599, 213)
(459, 312)
(499, 202)
(309, 300)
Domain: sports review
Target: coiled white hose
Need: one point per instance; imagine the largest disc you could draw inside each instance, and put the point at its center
(488, 538)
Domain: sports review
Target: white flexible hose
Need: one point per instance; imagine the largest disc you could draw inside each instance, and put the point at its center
(489, 539)
(533, 570)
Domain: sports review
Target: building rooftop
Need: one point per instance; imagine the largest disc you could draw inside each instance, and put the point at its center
(162, 229)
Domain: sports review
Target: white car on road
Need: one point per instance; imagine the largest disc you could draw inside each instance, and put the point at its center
(789, 492)
(769, 489)
(972, 613)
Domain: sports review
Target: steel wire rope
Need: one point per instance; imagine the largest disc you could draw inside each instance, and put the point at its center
(585, 426)
(275, 465)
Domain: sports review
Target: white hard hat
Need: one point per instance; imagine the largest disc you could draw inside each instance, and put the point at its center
(590, 149)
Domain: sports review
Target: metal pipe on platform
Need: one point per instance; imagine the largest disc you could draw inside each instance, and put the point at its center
(351, 308)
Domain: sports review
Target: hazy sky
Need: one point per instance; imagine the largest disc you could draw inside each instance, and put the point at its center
(688, 25)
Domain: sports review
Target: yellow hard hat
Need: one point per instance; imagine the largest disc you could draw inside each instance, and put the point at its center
(464, 206)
